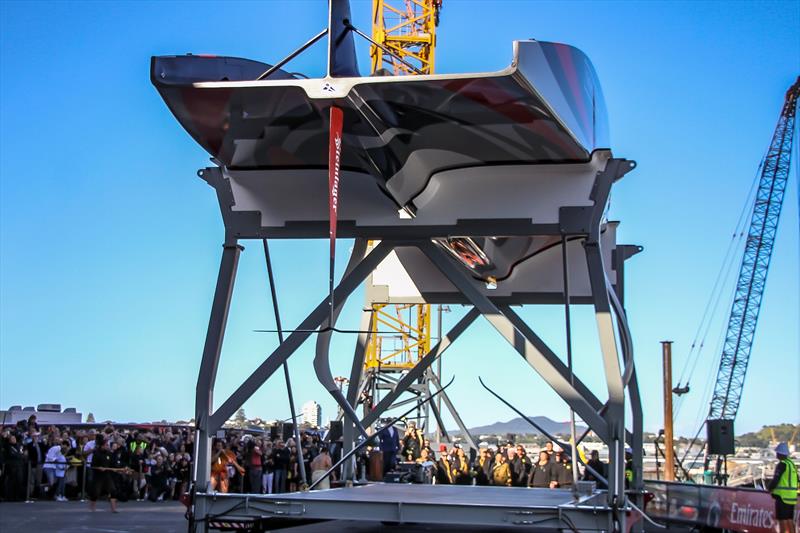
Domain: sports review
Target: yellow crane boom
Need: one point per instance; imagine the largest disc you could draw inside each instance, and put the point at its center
(408, 29)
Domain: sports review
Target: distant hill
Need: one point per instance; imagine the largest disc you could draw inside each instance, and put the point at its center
(518, 426)
(768, 435)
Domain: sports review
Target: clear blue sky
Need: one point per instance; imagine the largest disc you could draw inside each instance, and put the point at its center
(110, 244)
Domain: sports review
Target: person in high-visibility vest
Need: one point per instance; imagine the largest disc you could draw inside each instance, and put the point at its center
(783, 487)
(629, 474)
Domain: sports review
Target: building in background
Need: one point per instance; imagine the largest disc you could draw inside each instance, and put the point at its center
(46, 413)
(312, 413)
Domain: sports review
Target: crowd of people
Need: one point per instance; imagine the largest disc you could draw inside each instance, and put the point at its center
(130, 464)
(252, 464)
(59, 464)
(122, 464)
(508, 465)
(263, 465)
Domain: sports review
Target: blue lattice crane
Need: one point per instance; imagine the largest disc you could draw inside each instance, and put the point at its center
(754, 268)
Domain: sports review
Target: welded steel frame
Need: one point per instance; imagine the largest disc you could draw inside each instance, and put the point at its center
(606, 420)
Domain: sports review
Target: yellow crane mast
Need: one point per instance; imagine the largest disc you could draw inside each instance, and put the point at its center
(407, 28)
(400, 334)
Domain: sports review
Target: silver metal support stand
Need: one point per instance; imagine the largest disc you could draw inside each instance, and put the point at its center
(636, 437)
(601, 289)
(289, 393)
(204, 397)
(568, 326)
(615, 413)
(637, 445)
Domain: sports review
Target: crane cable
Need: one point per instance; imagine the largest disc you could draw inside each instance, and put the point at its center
(721, 275)
(719, 289)
(724, 288)
(700, 421)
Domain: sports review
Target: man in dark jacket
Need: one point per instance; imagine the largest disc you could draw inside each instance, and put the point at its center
(14, 469)
(159, 474)
(123, 481)
(521, 464)
(548, 447)
(597, 465)
(389, 446)
(36, 453)
(102, 481)
(482, 468)
(280, 459)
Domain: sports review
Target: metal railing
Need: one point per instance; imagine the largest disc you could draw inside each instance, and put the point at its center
(31, 484)
(82, 473)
